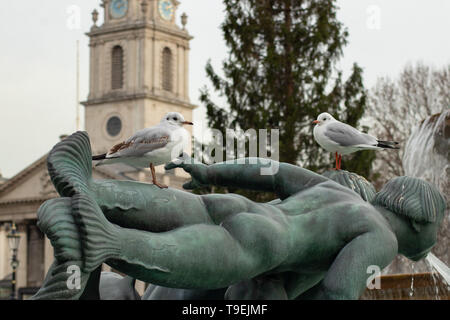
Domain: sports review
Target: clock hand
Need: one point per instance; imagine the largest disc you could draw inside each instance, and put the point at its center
(120, 4)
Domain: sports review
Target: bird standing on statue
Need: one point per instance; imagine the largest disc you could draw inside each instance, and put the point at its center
(340, 138)
(152, 146)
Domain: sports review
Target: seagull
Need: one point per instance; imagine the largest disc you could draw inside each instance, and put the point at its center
(150, 146)
(340, 138)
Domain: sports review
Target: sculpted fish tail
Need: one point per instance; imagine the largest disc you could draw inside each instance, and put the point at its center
(55, 219)
(70, 165)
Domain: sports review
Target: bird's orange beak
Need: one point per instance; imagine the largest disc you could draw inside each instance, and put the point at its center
(188, 122)
(316, 121)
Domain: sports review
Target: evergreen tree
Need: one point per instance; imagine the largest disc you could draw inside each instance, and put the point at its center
(281, 74)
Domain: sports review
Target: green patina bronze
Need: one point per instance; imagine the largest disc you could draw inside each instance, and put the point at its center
(316, 242)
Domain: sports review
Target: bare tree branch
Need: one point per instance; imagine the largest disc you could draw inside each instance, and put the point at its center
(396, 107)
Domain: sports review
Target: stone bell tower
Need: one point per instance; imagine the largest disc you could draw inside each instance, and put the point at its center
(139, 59)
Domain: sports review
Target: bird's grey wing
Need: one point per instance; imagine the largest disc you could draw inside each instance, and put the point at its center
(141, 142)
(346, 135)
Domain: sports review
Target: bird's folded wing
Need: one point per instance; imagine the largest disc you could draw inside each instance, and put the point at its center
(143, 141)
(346, 135)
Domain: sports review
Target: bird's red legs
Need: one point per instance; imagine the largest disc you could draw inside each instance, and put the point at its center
(338, 161)
(336, 154)
(156, 183)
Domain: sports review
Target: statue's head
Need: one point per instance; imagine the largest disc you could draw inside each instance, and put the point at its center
(421, 206)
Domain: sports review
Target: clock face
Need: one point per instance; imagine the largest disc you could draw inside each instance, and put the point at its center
(166, 9)
(118, 8)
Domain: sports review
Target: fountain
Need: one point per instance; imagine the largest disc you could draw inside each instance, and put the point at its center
(181, 241)
(426, 157)
(441, 267)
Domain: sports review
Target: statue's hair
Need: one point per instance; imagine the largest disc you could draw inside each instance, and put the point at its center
(353, 181)
(411, 197)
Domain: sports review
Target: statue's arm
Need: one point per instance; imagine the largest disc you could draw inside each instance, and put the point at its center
(252, 173)
(348, 276)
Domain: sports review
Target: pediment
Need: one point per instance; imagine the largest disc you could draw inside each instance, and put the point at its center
(30, 183)
(33, 183)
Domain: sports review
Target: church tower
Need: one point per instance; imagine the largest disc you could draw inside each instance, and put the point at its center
(139, 61)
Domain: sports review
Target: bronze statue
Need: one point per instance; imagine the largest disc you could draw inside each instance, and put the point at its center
(316, 242)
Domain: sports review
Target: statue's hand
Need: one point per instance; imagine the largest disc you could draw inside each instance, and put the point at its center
(197, 170)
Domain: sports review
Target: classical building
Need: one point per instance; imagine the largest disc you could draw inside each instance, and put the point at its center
(139, 60)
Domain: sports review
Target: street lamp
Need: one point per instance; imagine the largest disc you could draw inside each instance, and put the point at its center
(14, 240)
(95, 17)
(184, 19)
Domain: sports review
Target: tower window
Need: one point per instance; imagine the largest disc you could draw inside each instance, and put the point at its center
(117, 67)
(167, 69)
(114, 126)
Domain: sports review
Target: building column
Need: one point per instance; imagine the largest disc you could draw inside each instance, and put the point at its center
(22, 257)
(179, 74)
(4, 253)
(103, 57)
(155, 85)
(186, 74)
(48, 255)
(147, 63)
(130, 64)
(92, 74)
(139, 66)
(97, 70)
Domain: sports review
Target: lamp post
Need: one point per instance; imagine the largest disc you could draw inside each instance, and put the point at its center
(13, 239)
(95, 17)
(184, 19)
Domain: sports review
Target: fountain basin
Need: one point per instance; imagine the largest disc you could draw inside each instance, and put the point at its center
(426, 286)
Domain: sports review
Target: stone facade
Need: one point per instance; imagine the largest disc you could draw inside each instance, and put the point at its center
(20, 198)
(143, 34)
(142, 101)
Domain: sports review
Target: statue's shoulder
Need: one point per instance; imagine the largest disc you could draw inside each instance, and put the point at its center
(358, 184)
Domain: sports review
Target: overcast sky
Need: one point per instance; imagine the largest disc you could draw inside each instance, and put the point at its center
(38, 59)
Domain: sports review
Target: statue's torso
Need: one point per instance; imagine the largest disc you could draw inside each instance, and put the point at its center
(321, 221)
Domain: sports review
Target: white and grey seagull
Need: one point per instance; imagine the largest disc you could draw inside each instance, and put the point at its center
(152, 146)
(340, 138)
